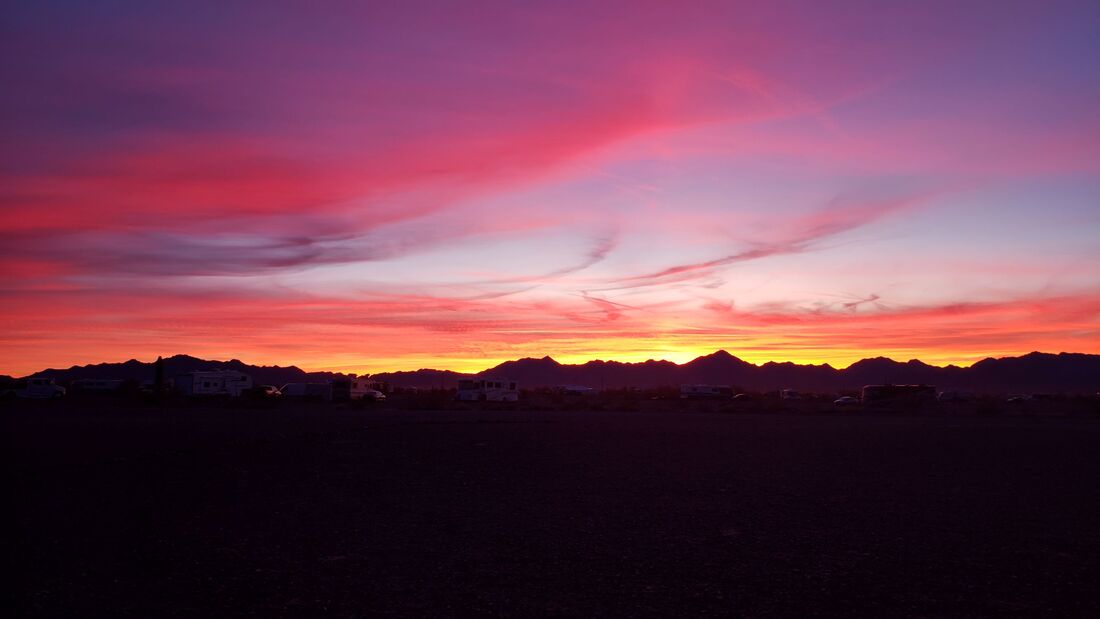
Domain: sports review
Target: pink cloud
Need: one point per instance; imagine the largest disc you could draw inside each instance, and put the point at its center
(170, 176)
(796, 235)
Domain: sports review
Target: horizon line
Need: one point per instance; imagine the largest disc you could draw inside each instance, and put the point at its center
(550, 357)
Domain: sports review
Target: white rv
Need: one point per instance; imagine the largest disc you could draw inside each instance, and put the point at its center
(356, 388)
(215, 382)
(487, 390)
(37, 388)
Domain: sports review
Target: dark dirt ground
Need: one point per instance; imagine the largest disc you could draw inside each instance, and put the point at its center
(300, 512)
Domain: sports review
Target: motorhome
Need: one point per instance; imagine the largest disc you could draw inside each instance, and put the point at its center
(214, 382)
(37, 387)
(317, 391)
(708, 392)
(356, 388)
(487, 390)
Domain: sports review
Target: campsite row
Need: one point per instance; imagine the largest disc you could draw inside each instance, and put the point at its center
(235, 384)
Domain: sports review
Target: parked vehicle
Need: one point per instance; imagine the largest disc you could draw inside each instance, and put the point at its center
(374, 395)
(214, 382)
(898, 394)
(267, 391)
(318, 391)
(356, 388)
(846, 400)
(789, 394)
(487, 390)
(37, 388)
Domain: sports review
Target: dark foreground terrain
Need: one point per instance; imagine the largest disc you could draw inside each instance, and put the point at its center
(197, 512)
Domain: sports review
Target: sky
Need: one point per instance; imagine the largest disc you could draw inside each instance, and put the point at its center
(395, 185)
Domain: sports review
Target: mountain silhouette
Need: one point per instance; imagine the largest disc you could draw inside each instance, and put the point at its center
(182, 364)
(1033, 372)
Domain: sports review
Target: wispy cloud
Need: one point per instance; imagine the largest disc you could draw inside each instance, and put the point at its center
(800, 234)
(237, 180)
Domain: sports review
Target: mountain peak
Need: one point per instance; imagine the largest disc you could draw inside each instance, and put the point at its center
(718, 356)
(873, 362)
(547, 360)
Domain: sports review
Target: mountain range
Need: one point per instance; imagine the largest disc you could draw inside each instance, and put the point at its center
(1033, 372)
(182, 364)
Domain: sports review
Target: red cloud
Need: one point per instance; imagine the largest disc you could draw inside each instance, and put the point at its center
(152, 157)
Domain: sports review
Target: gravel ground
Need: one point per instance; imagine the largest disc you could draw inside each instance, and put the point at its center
(301, 512)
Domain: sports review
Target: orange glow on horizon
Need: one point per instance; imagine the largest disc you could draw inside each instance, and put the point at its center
(396, 189)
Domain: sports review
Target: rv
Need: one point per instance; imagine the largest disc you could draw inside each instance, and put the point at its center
(487, 390)
(708, 392)
(214, 382)
(356, 388)
(319, 391)
(37, 388)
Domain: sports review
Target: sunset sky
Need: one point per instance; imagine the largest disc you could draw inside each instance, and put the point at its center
(371, 186)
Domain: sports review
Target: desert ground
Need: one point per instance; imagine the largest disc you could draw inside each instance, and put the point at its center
(203, 510)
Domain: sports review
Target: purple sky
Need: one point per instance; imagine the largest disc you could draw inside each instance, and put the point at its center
(369, 186)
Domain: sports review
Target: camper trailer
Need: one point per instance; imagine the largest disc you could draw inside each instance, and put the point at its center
(214, 382)
(487, 390)
(706, 392)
